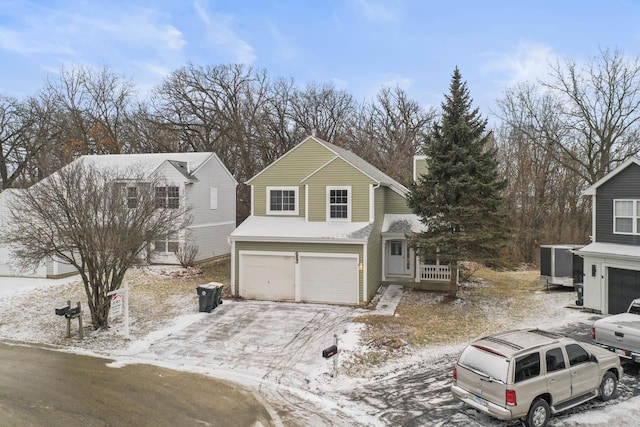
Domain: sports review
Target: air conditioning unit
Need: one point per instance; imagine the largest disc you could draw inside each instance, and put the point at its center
(559, 266)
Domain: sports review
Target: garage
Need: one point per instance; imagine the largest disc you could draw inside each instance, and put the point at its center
(267, 276)
(329, 279)
(624, 286)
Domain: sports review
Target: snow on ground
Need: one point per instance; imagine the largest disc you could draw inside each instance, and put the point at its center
(273, 348)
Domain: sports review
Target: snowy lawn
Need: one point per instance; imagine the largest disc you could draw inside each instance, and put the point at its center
(275, 348)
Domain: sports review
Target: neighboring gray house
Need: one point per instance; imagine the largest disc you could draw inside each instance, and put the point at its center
(612, 260)
(198, 180)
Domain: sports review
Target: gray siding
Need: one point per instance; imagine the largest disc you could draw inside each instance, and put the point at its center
(624, 185)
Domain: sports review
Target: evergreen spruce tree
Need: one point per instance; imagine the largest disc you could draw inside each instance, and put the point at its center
(459, 198)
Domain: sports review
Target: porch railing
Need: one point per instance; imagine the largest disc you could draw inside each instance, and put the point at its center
(441, 273)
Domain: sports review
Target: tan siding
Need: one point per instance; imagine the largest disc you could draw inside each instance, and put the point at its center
(289, 171)
(420, 167)
(339, 173)
(395, 203)
(298, 247)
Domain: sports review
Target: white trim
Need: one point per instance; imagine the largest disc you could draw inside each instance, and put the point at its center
(337, 241)
(372, 205)
(635, 215)
(293, 188)
(306, 203)
(415, 162)
(253, 204)
(330, 188)
(591, 191)
(233, 268)
(220, 162)
(593, 218)
(210, 224)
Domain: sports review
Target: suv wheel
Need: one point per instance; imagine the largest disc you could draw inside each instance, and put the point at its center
(608, 386)
(538, 413)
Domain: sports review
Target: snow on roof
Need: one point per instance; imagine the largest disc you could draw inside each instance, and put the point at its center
(610, 249)
(287, 228)
(402, 223)
(147, 163)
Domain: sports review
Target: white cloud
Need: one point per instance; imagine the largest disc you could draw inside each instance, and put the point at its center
(284, 47)
(528, 62)
(222, 35)
(378, 10)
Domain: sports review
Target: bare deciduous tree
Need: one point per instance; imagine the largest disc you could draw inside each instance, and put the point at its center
(81, 216)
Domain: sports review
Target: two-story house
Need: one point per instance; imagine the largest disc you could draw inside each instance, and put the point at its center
(328, 227)
(612, 260)
(197, 180)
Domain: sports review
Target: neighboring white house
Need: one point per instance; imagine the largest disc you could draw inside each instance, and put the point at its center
(197, 180)
(8, 267)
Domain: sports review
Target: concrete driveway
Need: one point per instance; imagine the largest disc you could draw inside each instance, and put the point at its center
(274, 347)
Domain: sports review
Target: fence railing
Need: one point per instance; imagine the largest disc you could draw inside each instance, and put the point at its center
(434, 272)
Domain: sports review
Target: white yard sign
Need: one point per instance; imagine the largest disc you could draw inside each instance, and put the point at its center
(116, 306)
(120, 303)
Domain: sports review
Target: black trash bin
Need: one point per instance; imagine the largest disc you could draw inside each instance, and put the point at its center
(205, 297)
(217, 296)
(579, 287)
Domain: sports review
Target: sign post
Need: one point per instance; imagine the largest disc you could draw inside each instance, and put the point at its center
(120, 298)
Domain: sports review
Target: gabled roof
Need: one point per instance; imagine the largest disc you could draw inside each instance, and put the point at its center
(148, 163)
(351, 158)
(591, 191)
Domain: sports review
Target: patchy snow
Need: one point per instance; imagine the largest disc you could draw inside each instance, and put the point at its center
(275, 349)
(288, 227)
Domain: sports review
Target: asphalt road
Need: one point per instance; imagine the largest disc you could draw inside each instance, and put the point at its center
(40, 387)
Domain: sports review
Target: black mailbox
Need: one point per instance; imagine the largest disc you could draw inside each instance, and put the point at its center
(329, 351)
(61, 311)
(72, 312)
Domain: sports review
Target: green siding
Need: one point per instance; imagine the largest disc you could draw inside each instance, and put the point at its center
(298, 247)
(374, 245)
(289, 170)
(395, 203)
(339, 173)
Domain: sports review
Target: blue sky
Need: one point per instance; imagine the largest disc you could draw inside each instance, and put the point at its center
(358, 45)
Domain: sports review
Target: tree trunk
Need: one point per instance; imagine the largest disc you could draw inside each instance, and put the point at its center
(453, 283)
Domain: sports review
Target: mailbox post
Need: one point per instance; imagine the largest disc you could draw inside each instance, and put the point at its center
(71, 313)
(332, 352)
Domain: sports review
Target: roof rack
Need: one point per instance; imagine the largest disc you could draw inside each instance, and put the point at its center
(547, 334)
(503, 342)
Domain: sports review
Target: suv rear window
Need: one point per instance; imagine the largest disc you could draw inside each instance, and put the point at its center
(527, 367)
(484, 362)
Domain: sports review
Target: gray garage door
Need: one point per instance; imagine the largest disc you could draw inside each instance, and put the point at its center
(624, 286)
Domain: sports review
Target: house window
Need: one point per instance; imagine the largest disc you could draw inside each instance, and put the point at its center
(132, 197)
(626, 216)
(339, 203)
(167, 197)
(168, 244)
(282, 200)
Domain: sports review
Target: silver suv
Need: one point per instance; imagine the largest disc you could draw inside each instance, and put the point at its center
(533, 374)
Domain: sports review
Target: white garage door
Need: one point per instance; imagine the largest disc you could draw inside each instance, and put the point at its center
(267, 277)
(8, 269)
(328, 279)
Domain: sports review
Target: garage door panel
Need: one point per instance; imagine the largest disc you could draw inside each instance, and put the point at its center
(331, 280)
(267, 277)
(624, 286)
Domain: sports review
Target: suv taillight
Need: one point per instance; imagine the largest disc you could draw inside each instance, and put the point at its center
(455, 373)
(593, 333)
(511, 398)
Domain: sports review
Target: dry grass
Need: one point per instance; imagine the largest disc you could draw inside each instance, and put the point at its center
(487, 303)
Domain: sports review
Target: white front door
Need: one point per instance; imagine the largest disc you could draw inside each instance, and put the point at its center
(397, 257)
